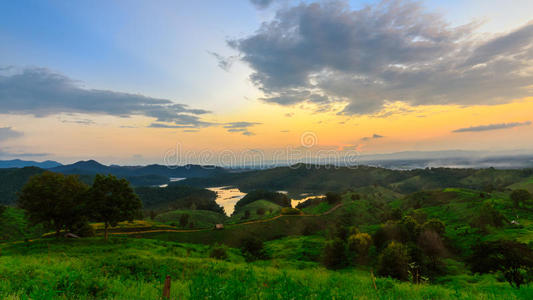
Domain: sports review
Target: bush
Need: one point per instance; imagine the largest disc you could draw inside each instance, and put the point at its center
(218, 252)
(82, 229)
(394, 261)
(252, 248)
(260, 211)
(290, 211)
(334, 255)
(359, 246)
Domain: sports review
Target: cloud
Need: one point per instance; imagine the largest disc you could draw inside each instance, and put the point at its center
(9, 154)
(8, 133)
(224, 63)
(373, 137)
(492, 127)
(261, 4)
(329, 54)
(41, 92)
(241, 127)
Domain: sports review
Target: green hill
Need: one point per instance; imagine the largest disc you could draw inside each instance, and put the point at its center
(193, 219)
(265, 208)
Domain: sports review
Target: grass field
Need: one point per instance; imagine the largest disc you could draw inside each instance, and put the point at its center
(126, 268)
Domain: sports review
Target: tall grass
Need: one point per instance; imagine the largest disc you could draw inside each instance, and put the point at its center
(135, 269)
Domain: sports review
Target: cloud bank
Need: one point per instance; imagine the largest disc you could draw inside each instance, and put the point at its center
(41, 92)
(327, 53)
(492, 127)
(8, 133)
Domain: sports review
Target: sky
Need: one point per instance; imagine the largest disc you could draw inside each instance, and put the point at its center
(135, 82)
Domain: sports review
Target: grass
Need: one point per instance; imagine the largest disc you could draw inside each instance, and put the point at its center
(126, 268)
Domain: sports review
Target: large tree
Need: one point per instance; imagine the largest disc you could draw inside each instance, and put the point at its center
(520, 197)
(54, 200)
(512, 258)
(112, 200)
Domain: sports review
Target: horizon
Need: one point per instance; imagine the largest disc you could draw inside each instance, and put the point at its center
(129, 82)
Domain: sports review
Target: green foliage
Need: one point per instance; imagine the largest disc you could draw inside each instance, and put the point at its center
(175, 197)
(520, 198)
(184, 220)
(54, 200)
(513, 259)
(394, 261)
(12, 180)
(252, 248)
(112, 200)
(219, 252)
(201, 218)
(488, 216)
(359, 247)
(334, 255)
(333, 198)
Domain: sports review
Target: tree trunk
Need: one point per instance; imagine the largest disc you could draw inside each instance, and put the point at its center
(105, 230)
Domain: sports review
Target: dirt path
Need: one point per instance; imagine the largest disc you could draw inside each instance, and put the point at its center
(243, 223)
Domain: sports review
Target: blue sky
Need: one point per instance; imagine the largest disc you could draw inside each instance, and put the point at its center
(165, 50)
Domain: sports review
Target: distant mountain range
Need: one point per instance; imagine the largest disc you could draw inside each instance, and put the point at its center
(17, 163)
(91, 167)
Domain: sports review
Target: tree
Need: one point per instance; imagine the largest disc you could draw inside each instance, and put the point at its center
(54, 200)
(112, 200)
(252, 248)
(520, 197)
(394, 261)
(184, 220)
(512, 258)
(359, 245)
(333, 198)
(334, 255)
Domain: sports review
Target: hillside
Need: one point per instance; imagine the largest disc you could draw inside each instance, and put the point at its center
(12, 180)
(303, 178)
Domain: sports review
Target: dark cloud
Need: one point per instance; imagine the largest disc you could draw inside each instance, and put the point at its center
(261, 4)
(326, 53)
(373, 137)
(8, 133)
(492, 127)
(241, 127)
(40, 92)
(9, 154)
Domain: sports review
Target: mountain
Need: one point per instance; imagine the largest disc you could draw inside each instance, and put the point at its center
(17, 163)
(91, 167)
(12, 180)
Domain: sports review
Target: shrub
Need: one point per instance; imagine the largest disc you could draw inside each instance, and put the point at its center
(246, 215)
(218, 252)
(359, 245)
(290, 211)
(334, 255)
(252, 248)
(260, 211)
(435, 225)
(83, 229)
(394, 261)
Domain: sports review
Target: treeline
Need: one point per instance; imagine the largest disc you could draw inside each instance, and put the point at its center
(175, 197)
(64, 203)
(303, 178)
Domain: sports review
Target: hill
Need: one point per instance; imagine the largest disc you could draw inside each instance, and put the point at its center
(302, 178)
(17, 163)
(176, 197)
(12, 180)
(92, 167)
(191, 218)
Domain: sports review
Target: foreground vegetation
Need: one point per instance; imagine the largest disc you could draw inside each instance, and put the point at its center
(125, 268)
